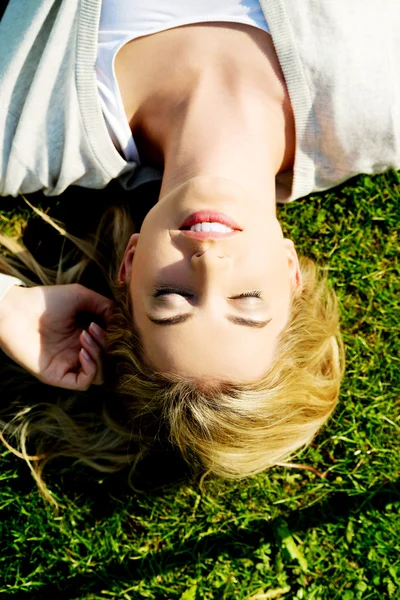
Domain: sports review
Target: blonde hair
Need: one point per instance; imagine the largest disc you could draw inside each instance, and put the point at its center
(229, 430)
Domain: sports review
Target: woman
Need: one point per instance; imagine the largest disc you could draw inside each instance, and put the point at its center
(218, 334)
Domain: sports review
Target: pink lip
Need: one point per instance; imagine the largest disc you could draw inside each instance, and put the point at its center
(206, 235)
(209, 216)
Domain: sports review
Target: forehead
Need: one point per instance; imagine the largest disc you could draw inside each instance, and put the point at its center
(200, 350)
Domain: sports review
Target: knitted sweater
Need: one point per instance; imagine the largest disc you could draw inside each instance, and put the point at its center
(339, 59)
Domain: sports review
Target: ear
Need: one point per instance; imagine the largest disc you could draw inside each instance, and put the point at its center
(125, 269)
(294, 267)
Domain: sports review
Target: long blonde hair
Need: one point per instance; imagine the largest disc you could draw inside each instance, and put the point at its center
(229, 430)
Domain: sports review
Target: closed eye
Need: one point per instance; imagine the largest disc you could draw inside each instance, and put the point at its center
(164, 291)
(254, 294)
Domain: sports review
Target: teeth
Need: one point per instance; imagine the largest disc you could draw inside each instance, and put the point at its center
(211, 227)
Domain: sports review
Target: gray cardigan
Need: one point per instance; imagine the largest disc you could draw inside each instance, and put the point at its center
(340, 59)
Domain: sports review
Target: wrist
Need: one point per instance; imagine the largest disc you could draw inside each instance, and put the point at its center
(6, 282)
(8, 299)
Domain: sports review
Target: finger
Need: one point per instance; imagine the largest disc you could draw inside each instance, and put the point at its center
(98, 334)
(90, 346)
(95, 303)
(94, 351)
(84, 378)
(88, 373)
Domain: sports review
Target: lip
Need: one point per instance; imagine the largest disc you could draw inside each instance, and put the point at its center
(208, 235)
(209, 216)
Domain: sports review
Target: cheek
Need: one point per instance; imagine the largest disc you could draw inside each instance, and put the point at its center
(281, 300)
(277, 280)
(270, 260)
(142, 278)
(154, 262)
(148, 257)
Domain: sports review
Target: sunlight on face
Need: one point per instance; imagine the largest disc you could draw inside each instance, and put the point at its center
(210, 308)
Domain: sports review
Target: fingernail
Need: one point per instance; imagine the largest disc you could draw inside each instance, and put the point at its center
(96, 329)
(87, 338)
(85, 354)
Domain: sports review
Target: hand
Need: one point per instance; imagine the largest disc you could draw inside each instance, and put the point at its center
(40, 330)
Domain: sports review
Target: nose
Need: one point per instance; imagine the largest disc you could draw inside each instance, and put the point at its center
(209, 260)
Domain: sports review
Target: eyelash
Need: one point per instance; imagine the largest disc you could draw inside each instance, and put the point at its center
(254, 294)
(163, 291)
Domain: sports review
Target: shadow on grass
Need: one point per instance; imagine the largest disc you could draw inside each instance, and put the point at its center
(336, 508)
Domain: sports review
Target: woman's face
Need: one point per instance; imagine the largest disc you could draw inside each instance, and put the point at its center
(211, 306)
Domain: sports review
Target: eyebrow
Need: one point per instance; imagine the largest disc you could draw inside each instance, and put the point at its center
(171, 320)
(186, 316)
(248, 322)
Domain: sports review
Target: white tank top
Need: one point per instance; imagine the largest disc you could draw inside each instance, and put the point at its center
(124, 20)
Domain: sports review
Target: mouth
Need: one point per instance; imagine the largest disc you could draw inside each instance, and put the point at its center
(209, 224)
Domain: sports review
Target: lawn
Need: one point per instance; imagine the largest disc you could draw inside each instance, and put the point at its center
(286, 533)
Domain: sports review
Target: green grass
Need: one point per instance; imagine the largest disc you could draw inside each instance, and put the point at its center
(283, 534)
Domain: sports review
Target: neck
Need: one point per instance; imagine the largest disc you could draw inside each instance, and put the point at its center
(226, 136)
(223, 119)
